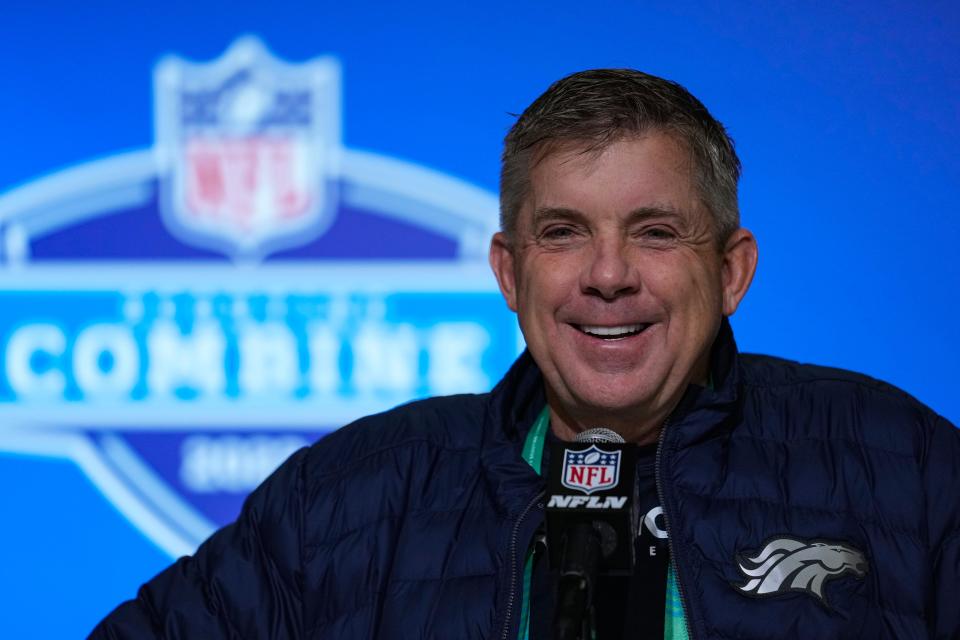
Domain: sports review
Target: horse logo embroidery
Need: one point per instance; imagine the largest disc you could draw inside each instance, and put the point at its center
(788, 564)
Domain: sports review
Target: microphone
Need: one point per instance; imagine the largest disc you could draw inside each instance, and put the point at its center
(590, 484)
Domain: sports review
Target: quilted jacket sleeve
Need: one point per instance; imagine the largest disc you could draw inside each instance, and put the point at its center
(243, 582)
(943, 483)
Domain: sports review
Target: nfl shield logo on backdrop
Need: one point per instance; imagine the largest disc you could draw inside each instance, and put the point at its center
(591, 469)
(248, 148)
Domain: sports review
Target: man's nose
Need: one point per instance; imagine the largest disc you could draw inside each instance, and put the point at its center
(610, 273)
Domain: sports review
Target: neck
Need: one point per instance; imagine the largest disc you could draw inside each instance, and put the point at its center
(639, 430)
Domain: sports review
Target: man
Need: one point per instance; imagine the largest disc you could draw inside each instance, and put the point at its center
(798, 501)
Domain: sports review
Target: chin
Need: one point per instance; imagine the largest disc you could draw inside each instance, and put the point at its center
(613, 404)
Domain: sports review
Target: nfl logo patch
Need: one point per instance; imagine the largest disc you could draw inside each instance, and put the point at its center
(591, 469)
(248, 148)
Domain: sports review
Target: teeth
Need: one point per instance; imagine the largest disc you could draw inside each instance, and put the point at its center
(610, 332)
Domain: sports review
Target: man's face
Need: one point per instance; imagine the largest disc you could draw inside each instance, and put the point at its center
(618, 281)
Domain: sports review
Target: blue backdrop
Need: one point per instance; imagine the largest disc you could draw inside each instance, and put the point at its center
(846, 119)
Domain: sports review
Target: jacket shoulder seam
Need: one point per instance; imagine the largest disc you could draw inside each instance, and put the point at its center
(314, 546)
(354, 461)
(833, 440)
(913, 535)
(872, 385)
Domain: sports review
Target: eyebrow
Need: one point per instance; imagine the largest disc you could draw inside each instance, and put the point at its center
(548, 214)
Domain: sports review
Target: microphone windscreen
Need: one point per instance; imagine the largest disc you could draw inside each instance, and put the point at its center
(599, 435)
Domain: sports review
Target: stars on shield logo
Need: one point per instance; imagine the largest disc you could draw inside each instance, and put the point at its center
(591, 469)
(248, 149)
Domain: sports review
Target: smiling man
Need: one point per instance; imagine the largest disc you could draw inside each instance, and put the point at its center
(620, 280)
(776, 500)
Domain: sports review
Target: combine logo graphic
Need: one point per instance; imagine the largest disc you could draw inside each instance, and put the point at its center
(590, 470)
(179, 319)
(788, 564)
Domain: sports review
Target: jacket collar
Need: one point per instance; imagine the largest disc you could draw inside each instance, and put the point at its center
(705, 405)
(519, 397)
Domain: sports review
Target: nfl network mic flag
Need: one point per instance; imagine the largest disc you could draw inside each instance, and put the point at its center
(593, 483)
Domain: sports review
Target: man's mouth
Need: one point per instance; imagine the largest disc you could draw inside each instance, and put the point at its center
(611, 333)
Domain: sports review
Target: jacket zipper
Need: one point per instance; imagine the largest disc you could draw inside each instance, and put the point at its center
(511, 596)
(670, 547)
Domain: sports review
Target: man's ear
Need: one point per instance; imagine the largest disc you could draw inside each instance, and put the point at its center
(739, 264)
(504, 268)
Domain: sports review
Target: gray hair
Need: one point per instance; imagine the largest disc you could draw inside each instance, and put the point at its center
(599, 107)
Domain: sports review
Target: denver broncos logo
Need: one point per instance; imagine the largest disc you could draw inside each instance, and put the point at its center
(788, 564)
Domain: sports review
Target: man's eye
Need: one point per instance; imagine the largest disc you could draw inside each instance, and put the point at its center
(557, 233)
(658, 233)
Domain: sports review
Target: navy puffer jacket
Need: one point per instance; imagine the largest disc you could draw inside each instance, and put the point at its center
(415, 523)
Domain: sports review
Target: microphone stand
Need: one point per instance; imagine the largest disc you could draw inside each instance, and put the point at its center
(578, 577)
